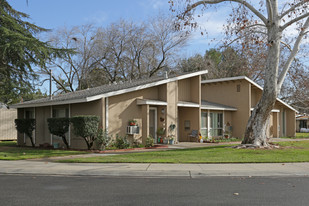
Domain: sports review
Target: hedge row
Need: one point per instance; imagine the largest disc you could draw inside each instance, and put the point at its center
(85, 126)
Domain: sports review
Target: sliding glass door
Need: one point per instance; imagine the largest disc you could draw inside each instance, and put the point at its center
(216, 124)
(211, 124)
(204, 123)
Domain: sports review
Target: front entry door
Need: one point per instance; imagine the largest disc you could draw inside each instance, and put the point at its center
(153, 123)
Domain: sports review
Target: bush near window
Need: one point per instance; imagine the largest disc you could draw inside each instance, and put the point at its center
(26, 126)
(59, 127)
(121, 142)
(103, 139)
(86, 126)
(149, 142)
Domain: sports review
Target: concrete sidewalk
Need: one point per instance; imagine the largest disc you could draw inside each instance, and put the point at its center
(154, 170)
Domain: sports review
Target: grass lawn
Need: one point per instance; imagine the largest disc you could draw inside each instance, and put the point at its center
(289, 152)
(299, 136)
(302, 135)
(10, 151)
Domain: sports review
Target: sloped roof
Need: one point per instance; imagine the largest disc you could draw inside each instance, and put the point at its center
(250, 81)
(303, 117)
(216, 106)
(96, 93)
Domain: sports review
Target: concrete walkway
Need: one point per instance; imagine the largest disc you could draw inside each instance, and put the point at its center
(153, 170)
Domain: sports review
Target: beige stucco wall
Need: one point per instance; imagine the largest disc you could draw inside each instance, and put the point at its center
(189, 90)
(276, 128)
(172, 109)
(256, 95)
(291, 123)
(42, 134)
(124, 107)
(187, 114)
(7, 125)
(226, 93)
(90, 108)
(184, 92)
(195, 89)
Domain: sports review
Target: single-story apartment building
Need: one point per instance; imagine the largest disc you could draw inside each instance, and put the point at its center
(211, 107)
(302, 123)
(233, 101)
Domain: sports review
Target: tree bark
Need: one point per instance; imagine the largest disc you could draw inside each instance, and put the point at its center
(256, 131)
(65, 142)
(32, 143)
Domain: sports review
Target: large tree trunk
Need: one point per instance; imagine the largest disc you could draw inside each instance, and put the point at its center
(256, 131)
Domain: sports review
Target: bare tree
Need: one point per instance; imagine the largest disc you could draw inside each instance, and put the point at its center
(122, 51)
(71, 71)
(165, 41)
(264, 22)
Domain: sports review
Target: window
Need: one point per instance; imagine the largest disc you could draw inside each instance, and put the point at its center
(216, 124)
(238, 87)
(303, 124)
(204, 124)
(29, 114)
(187, 124)
(60, 112)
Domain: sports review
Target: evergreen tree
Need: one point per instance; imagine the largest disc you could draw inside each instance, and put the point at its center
(20, 50)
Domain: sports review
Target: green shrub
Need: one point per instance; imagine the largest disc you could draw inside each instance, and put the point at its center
(26, 126)
(121, 142)
(102, 139)
(59, 127)
(149, 142)
(86, 126)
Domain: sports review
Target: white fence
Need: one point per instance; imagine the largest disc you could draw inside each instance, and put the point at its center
(7, 125)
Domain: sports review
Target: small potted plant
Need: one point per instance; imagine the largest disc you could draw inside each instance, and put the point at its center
(165, 140)
(132, 122)
(226, 135)
(171, 140)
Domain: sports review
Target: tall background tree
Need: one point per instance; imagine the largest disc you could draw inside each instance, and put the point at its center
(20, 50)
(265, 23)
(121, 51)
(221, 63)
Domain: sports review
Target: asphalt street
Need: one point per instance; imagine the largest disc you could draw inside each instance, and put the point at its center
(98, 190)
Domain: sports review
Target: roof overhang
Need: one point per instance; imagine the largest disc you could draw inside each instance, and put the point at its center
(250, 81)
(150, 102)
(45, 104)
(273, 110)
(215, 106)
(187, 104)
(218, 108)
(158, 83)
(113, 93)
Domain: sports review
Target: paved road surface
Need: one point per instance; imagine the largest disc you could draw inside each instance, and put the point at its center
(80, 190)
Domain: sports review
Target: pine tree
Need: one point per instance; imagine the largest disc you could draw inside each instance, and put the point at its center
(20, 50)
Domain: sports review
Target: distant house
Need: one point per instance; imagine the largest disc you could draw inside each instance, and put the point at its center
(302, 123)
(7, 125)
(212, 107)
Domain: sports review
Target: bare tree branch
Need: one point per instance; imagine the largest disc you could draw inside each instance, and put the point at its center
(294, 21)
(292, 8)
(270, 10)
(245, 3)
(293, 54)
